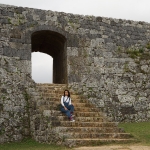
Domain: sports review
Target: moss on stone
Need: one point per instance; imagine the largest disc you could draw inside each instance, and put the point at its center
(26, 95)
(1, 107)
(9, 20)
(148, 45)
(134, 53)
(2, 130)
(126, 67)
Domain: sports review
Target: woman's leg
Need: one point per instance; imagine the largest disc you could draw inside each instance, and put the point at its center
(71, 108)
(67, 112)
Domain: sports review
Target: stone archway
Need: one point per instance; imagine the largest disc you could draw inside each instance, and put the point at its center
(53, 44)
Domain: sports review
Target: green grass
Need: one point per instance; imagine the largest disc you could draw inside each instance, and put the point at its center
(30, 145)
(141, 131)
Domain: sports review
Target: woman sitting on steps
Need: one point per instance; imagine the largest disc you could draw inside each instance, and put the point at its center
(67, 107)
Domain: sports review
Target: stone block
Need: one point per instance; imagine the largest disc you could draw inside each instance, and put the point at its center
(47, 113)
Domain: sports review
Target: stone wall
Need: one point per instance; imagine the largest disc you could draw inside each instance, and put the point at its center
(14, 112)
(107, 61)
(21, 115)
(110, 66)
(117, 81)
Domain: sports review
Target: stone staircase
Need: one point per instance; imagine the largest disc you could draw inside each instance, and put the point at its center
(91, 127)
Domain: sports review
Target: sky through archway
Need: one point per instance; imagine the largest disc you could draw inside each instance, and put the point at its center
(42, 67)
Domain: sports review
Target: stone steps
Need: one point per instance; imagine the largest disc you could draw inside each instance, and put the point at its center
(83, 135)
(78, 107)
(95, 141)
(86, 109)
(57, 99)
(90, 129)
(83, 119)
(50, 85)
(87, 114)
(84, 124)
(90, 126)
(47, 95)
(52, 90)
(76, 104)
(77, 114)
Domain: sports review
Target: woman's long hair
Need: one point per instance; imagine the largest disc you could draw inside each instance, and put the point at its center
(68, 93)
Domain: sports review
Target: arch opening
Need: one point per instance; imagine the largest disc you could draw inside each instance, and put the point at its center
(53, 44)
(42, 67)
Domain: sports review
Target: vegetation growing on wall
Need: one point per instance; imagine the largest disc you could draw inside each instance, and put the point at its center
(141, 53)
(148, 45)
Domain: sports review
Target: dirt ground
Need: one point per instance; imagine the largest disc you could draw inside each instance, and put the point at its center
(115, 147)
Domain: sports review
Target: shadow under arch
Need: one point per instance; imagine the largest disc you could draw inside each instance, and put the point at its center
(53, 44)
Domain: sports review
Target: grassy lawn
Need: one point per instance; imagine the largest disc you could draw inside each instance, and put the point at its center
(141, 131)
(30, 145)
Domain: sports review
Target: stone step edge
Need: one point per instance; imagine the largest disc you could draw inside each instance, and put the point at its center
(114, 123)
(74, 103)
(114, 129)
(54, 107)
(50, 84)
(57, 111)
(86, 127)
(77, 114)
(76, 142)
(111, 133)
(100, 140)
(82, 124)
(81, 117)
(57, 101)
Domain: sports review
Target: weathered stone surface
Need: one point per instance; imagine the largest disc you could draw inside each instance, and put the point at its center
(107, 60)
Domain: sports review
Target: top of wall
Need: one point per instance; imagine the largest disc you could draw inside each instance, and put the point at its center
(85, 17)
(17, 25)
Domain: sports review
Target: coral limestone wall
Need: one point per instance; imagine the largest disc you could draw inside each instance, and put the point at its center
(15, 81)
(105, 59)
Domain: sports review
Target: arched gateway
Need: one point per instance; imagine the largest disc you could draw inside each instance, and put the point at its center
(104, 59)
(54, 44)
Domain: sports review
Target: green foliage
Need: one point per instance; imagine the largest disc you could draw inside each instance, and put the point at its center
(3, 97)
(1, 107)
(2, 131)
(138, 53)
(141, 131)
(148, 45)
(134, 53)
(90, 89)
(30, 144)
(26, 95)
(9, 20)
(119, 49)
(141, 50)
(126, 67)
